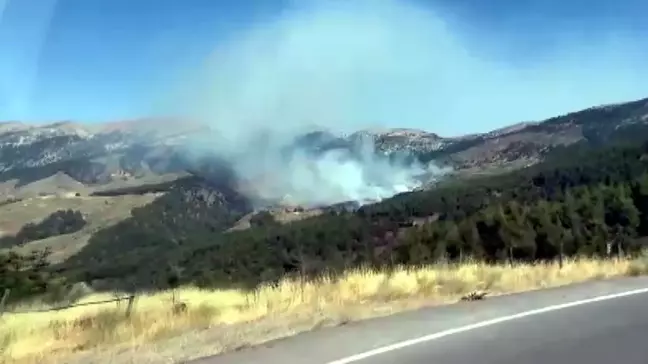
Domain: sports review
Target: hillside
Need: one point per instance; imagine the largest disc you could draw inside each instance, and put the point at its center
(149, 151)
(574, 184)
(99, 213)
(591, 204)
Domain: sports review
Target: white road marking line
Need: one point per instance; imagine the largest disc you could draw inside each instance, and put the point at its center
(438, 335)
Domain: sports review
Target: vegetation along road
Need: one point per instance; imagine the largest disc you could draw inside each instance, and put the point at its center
(599, 322)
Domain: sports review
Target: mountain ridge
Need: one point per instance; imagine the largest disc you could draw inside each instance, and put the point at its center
(144, 151)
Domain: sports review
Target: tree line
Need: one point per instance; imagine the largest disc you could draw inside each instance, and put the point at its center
(57, 223)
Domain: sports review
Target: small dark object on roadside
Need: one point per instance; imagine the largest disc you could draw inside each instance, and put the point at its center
(474, 296)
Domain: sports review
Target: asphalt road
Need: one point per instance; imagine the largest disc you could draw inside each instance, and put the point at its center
(593, 323)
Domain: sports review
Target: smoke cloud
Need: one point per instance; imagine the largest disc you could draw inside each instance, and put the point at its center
(332, 67)
(341, 66)
(308, 175)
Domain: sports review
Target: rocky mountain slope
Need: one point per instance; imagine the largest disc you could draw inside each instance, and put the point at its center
(83, 158)
(129, 153)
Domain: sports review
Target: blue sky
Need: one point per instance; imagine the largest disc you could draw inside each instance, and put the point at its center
(448, 66)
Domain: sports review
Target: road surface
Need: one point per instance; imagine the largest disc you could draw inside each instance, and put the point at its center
(592, 323)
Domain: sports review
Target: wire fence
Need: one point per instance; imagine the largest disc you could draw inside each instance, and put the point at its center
(118, 300)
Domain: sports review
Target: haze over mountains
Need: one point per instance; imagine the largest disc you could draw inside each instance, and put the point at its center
(285, 111)
(315, 168)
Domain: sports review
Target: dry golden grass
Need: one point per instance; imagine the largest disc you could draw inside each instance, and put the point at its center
(156, 334)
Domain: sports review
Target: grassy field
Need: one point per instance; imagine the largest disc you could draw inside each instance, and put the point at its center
(156, 333)
(100, 212)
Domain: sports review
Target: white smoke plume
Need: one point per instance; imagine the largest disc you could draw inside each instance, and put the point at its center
(344, 65)
(295, 174)
(320, 66)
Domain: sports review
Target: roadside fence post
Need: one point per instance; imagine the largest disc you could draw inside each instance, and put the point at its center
(129, 308)
(3, 301)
